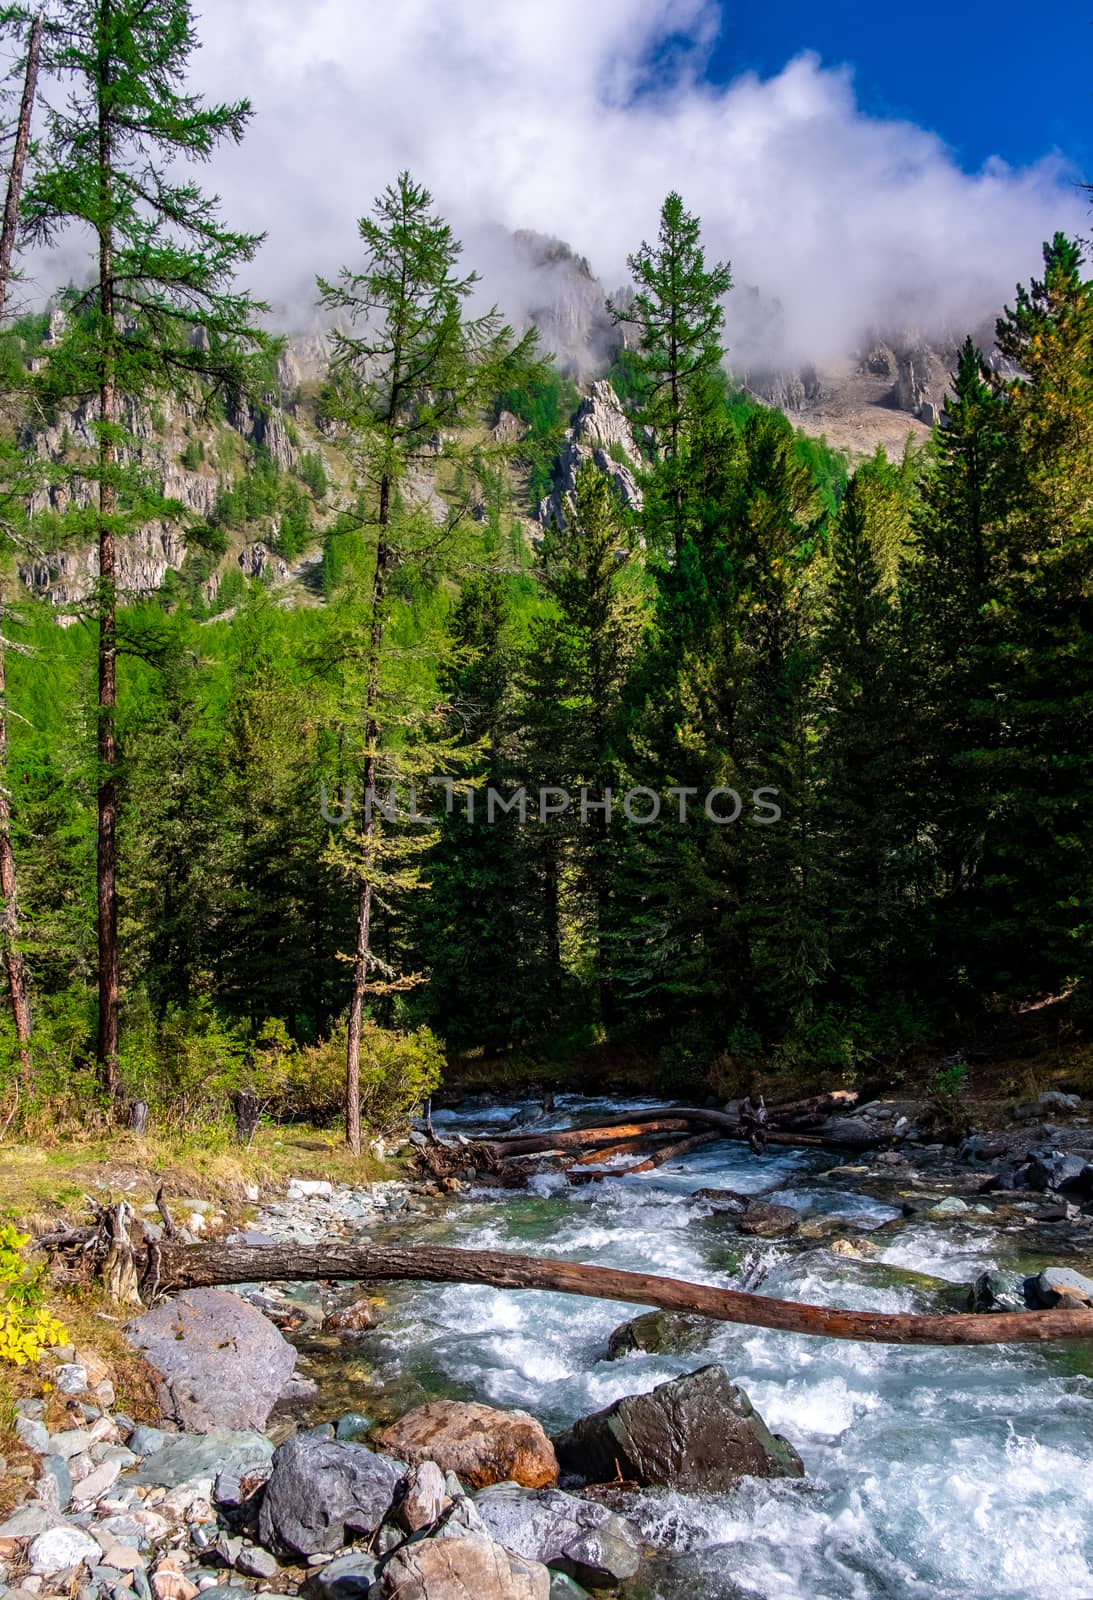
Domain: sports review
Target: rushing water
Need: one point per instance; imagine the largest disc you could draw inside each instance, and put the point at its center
(932, 1473)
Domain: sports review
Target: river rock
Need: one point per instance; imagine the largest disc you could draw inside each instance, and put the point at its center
(345, 1578)
(59, 1548)
(764, 1220)
(478, 1443)
(356, 1318)
(999, 1291)
(587, 1541)
(1071, 1174)
(424, 1497)
(320, 1491)
(658, 1332)
(220, 1362)
(698, 1432)
(191, 1458)
(723, 1200)
(462, 1569)
(1061, 1288)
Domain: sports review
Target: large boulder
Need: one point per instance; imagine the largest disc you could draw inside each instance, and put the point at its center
(699, 1432)
(220, 1363)
(321, 1491)
(462, 1569)
(587, 1541)
(1061, 1288)
(995, 1290)
(658, 1333)
(765, 1220)
(478, 1443)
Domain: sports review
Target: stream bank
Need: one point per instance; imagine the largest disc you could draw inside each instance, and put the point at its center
(928, 1472)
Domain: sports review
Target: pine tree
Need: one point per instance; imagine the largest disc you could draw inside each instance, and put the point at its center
(678, 310)
(160, 314)
(407, 369)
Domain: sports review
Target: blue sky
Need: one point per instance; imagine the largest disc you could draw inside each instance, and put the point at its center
(990, 79)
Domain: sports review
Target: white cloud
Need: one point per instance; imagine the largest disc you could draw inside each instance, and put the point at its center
(524, 113)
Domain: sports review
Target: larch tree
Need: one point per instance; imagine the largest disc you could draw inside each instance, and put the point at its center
(408, 369)
(161, 312)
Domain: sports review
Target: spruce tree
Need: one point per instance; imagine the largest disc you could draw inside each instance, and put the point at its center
(677, 310)
(160, 314)
(586, 571)
(1038, 769)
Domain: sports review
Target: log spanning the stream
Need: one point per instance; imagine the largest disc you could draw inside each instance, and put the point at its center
(168, 1267)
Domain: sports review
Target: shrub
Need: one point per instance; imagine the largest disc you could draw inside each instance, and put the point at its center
(27, 1329)
(399, 1071)
(312, 472)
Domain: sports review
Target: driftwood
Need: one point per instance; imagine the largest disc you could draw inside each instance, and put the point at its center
(160, 1268)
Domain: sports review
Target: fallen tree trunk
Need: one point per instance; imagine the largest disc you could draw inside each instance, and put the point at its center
(529, 1144)
(673, 1119)
(173, 1267)
(668, 1152)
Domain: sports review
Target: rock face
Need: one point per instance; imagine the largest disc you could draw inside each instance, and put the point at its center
(477, 1443)
(220, 1363)
(699, 1432)
(322, 1491)
(462, 1569)
(600, 433)
(579, 1537)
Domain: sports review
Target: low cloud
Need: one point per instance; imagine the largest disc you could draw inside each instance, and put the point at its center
(543, 115)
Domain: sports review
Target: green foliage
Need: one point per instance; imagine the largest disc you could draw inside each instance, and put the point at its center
(312, 472)
(399, 1071)
(193, 455)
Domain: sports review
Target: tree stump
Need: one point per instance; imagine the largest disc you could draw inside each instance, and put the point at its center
(248, 1109)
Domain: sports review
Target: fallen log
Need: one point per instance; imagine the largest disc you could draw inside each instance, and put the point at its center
(675, 1119)
(669, 1152)
(172, 1267)
(625, 1147)
(529, 1144)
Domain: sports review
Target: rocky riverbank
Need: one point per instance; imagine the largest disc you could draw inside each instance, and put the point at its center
(240, 1489)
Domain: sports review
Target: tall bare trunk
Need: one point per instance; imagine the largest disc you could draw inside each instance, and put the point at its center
(9, 910)
(362, 959)
(107, 885)
(19, 158)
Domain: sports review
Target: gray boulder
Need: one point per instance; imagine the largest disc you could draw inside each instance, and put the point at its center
(220, 1362)
(579, 1537)
(345, 1578)
(1057, 1170)
(699, 1432)
(322, 1490)
(185, 1458)
(1061, 1288)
